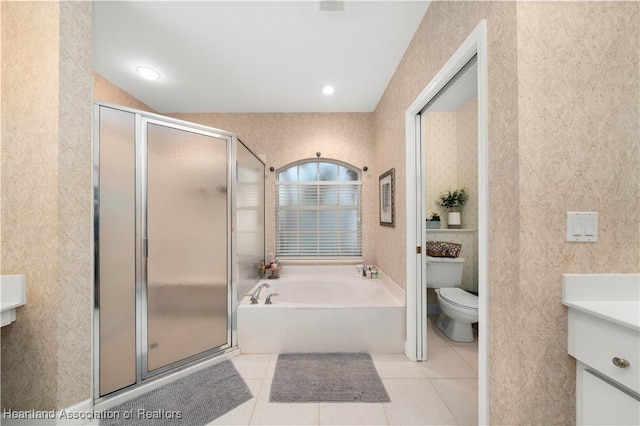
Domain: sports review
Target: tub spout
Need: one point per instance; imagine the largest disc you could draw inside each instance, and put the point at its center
(256, 293)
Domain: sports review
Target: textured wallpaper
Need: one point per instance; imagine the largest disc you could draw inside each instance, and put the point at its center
(75, 196)
(440, 135)
(467, 160)
(579, 140)
(29, 200)
(106, 91)
(46, 201)
(564, 124)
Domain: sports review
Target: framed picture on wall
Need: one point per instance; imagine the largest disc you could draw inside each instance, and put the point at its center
(387, 194)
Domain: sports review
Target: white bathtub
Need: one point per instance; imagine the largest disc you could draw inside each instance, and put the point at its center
(324, 309)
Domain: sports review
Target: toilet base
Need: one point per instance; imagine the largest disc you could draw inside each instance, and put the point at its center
(455, 330)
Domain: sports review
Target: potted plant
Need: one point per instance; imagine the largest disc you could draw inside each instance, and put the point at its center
(453, 201)
(433, 220)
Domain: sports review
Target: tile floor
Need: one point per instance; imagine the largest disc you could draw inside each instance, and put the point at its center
(440, 391)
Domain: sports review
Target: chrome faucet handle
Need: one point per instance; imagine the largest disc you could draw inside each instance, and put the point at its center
(268, 301)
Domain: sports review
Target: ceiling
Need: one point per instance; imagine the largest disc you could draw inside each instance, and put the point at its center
(253, 56)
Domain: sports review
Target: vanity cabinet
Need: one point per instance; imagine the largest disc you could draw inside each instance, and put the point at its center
(604, 338)
(602, 402)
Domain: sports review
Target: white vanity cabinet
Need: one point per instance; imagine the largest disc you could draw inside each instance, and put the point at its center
(604, 337)
(601, 402)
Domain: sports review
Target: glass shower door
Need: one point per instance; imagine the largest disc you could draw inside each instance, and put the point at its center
(186, 245)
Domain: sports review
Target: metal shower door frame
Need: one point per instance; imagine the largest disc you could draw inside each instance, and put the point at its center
(143, 118)
(142, 240)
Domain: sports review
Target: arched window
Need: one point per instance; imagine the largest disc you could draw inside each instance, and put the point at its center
(318, 210)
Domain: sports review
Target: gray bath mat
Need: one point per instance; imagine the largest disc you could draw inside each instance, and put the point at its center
(331, 377)
(196, 399)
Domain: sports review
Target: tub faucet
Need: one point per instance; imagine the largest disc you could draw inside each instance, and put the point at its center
(268, 301)
(256, 293)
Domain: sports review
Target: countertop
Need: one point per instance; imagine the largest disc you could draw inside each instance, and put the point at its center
(612, 297)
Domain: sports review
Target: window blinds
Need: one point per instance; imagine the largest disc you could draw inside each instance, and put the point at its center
(319, 219)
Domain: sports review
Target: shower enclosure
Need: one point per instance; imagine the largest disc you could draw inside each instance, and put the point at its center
(179, 229)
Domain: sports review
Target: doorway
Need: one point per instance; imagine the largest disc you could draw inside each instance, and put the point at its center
(475, 46)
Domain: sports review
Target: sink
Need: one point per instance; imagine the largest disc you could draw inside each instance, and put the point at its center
(12, 295)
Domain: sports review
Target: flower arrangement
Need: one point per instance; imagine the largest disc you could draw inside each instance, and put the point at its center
(433, 216)
(453, 200)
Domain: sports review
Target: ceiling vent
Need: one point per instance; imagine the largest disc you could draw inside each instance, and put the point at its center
(330, 5)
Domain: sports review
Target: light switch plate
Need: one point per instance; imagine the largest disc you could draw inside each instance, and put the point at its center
(582, 227)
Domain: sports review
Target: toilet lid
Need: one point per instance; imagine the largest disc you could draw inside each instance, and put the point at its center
(459, 297)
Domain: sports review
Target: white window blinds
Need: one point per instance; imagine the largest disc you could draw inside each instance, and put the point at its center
(318, 217)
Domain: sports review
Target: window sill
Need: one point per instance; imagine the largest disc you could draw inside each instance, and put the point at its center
(314, 261)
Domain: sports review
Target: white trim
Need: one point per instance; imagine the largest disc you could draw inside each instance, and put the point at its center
(483, 223)
(81, 408)
(416, 348)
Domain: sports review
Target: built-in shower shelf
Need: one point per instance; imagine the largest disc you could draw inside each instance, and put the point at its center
(12, 295)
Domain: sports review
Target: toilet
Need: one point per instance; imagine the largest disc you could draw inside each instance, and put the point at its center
(458, 308)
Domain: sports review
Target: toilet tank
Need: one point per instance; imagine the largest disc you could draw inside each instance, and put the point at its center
(444, 271)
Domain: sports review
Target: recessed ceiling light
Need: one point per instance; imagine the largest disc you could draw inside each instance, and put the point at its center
(328, 90)
(148, 73)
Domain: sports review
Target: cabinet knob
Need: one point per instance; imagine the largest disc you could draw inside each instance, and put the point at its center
(620, 362)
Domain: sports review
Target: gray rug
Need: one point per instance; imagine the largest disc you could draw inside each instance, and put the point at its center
(331, 377)
(196, 399)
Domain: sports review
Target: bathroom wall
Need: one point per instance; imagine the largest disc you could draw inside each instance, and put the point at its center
(579, 150)
(440, 134)
(467, 160)
(564, 134)
(46, 201)
(106, 91)
(451, 158)
(284, 138)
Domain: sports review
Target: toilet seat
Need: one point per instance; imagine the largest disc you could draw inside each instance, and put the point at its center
(460, 298)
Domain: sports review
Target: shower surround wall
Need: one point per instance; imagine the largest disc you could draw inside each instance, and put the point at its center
(46, 201)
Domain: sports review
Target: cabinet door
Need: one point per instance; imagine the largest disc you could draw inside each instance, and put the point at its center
(605, 404)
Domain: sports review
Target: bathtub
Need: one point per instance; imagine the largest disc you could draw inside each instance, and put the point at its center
(324, 309)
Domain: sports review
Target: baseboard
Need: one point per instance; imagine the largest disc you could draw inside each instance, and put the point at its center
(81, 413)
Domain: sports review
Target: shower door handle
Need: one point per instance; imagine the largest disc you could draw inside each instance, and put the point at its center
(145, 248)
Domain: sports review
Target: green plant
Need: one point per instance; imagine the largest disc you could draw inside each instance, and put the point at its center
(433, 216)
(453, 200)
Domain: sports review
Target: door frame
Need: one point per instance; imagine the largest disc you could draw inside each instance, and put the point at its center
(142, 182)
(416, 344)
